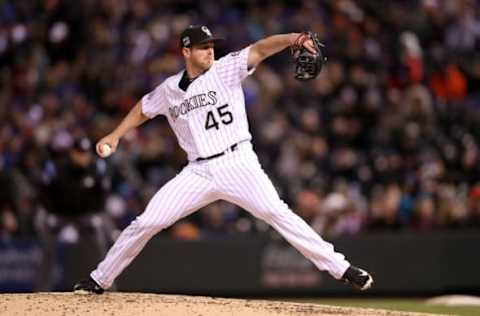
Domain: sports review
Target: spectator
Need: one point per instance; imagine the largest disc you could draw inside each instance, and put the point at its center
(75, 185)
(8, 221)
(424, 214)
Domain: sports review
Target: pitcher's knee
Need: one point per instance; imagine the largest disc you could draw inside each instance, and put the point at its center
(274, 213)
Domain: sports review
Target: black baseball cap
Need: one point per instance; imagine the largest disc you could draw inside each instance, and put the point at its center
(197, 34)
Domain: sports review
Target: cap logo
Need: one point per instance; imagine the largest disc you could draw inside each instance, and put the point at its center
(186, 41)
(206, 31)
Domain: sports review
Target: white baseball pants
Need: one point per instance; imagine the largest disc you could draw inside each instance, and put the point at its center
(236, 177)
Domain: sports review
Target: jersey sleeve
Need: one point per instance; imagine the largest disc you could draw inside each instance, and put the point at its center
(155, 102)
(233, 68)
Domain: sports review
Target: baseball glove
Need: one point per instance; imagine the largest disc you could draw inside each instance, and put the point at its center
(307, 64)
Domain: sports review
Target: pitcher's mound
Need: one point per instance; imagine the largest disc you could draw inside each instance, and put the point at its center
(134, 304)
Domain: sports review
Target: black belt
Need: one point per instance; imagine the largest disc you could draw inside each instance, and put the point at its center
(232, 148)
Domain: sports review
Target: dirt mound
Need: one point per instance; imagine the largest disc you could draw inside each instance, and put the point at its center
(128, 304)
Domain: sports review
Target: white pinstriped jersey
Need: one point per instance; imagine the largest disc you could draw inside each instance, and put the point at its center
(210, 116)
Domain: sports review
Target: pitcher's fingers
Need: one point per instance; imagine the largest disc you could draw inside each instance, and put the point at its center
(99, 148)
(309, 46)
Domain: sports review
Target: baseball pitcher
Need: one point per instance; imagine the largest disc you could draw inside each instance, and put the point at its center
(205, 107)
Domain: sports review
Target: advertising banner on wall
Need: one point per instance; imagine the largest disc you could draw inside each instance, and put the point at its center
(20, 262)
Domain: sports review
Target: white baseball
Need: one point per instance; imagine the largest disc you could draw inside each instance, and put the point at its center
(106, 150)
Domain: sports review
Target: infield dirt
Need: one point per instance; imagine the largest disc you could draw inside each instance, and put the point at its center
(128, 304)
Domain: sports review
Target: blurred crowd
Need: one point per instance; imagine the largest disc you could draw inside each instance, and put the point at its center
(387, 138)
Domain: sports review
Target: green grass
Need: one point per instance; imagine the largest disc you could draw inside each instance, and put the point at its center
(401, 304)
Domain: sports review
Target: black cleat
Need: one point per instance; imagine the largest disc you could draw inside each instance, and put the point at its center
(358, 278)
(88, 286)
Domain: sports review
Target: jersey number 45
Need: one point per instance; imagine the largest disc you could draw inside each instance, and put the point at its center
(224, 116)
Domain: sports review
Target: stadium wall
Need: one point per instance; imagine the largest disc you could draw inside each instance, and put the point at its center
(401, 263)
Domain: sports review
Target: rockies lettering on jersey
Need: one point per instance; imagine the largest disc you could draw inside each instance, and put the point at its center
(199, 100)
(208, 116)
